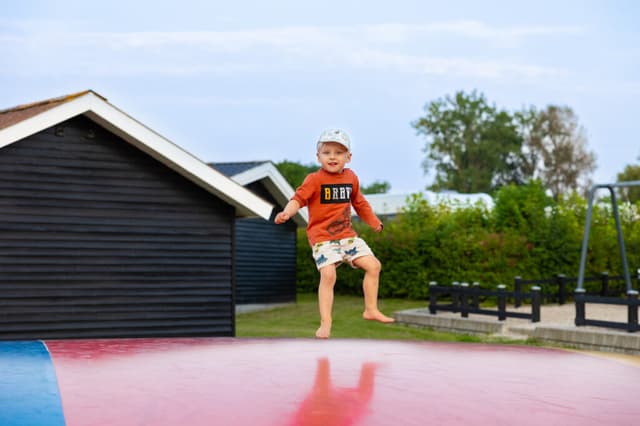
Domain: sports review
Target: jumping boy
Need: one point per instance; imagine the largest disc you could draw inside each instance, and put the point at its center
(329, 194)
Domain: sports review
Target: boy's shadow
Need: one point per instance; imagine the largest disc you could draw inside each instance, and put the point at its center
(330, 405)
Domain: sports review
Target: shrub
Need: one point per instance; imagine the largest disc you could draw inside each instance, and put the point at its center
(526, 234)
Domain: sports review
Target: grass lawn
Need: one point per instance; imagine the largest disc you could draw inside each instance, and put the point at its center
(302, 320)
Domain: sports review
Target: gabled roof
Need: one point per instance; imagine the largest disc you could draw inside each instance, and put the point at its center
(268, 174)
(234, 168)
(25, 120)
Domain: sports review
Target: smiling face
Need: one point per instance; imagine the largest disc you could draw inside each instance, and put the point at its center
(333, 156)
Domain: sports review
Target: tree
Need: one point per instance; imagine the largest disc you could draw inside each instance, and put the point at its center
(377, 187)
(631, 172)
(294, 172)
(555, 149)
(472, 146)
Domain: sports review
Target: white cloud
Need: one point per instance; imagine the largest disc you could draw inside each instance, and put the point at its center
(208, 100)
(451, 66)
(396, 47)
(480, 30)
(296, 36)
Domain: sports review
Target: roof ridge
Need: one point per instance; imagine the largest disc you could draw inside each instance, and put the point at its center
(59, 99)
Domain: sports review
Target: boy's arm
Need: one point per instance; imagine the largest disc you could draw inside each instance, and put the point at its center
(288, 212)
(363, 208)
(365, 212)
(298, 200)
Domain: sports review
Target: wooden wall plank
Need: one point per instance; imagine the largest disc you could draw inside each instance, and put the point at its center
(97, 239)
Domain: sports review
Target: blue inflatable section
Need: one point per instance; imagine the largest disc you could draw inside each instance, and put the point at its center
(29, 392)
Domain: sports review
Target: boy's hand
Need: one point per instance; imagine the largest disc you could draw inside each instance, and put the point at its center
(379, 228)
(291, 209)
(281, 217)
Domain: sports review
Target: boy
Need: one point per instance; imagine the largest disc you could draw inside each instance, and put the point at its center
(329, 194)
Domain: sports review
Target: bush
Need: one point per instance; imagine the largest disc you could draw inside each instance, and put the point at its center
(526, 234)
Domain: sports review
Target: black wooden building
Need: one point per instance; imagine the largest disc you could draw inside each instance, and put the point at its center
(108, 229)
(265, 252)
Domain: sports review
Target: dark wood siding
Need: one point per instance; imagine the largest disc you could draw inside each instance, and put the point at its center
(266, 262)
(97, 239)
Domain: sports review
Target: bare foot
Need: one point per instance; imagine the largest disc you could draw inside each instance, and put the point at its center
(377, 316)
(324, 331)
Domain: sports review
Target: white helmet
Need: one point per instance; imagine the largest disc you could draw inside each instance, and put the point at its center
(334, 135)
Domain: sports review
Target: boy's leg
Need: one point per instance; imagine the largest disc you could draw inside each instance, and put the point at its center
(325, 299)
(371, 266)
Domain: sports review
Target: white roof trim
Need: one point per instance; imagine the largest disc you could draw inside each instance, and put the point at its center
(145, 139)
(276, 184)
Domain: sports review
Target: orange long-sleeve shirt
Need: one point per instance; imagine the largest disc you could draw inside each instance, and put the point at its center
(329, 197)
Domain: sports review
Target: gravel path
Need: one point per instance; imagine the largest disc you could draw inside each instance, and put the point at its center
(566, 314)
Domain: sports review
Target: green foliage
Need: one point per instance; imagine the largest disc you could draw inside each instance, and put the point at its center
(527, 234)
(520, 207)
(294, 172)
(377, 187)
(472, 146)
(306, 272)
(630, 172)
(556, 149)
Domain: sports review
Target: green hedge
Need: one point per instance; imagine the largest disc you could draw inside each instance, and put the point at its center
(525, 234)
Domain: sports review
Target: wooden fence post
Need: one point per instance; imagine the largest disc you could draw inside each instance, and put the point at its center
(476, 295)
(455, 297)
(433, 297)
(502, 303)
(579, 301)
(562, 288)
(632, 315)
(536, 300)
(464, 300)
(604, 290)
(517, 287)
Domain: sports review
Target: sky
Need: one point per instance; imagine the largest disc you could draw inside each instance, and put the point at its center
(260, 80)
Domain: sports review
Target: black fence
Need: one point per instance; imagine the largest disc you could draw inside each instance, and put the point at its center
(610, 291)
(466, 300)
(631, 301)
(559, 288)
(460, 297)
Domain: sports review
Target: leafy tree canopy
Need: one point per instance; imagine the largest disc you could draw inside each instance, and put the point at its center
(474, 147)
(294, 172)
(555, 149)
(471, 145)
(377, 187)
(631, 172)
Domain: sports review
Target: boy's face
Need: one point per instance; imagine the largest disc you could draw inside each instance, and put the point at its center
(333, 156)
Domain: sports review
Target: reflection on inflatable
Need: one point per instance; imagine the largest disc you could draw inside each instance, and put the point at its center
(331, 405)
